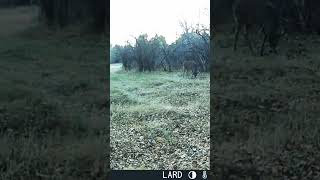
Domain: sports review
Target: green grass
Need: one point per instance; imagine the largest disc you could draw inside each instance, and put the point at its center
(158, 119)
(53, 105)
(266, 110)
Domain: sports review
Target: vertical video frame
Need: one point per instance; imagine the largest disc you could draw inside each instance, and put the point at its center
(159, 85)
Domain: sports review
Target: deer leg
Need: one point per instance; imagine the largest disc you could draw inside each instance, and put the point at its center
(238, 28)
(273, 48)
(246, 35)
(263, 43)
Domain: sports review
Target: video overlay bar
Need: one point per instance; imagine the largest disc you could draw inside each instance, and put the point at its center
(159, 175)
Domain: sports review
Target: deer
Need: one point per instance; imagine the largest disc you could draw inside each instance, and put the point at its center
(262, 13)
(191, 66)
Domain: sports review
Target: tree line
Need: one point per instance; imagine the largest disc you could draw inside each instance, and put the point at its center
(150, 54)
(61, 13)
(296, 15)
(10, 3)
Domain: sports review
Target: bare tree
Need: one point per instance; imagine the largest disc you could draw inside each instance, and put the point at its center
(198, 44)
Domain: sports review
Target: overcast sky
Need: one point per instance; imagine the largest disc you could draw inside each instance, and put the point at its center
(134, 17)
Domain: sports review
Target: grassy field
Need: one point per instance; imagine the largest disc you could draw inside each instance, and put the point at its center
(53, 102)
(266, 110)
(54, 111)
(17, 19)
(159, 120)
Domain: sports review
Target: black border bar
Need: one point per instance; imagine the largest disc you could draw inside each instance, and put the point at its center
(157, 175)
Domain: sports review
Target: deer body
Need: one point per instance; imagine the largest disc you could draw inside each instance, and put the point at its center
(261, 13)
(190, 66)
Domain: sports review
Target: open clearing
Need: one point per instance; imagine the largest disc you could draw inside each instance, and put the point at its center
(159, 120)
(115, 67)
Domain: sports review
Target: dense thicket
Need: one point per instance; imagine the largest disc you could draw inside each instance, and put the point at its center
(64, 12)
(148, 54)
(296, 15)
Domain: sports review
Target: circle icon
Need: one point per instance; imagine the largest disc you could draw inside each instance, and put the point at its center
(192, 175)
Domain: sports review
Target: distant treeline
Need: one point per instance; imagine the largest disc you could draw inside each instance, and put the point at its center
(149, 54)
(60, 13)
(64, 12)
(296, 15)
(6, 3)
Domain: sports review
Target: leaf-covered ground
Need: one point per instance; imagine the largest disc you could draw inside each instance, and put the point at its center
(267, 110)
(53, 103)
(159, 121)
